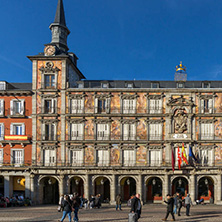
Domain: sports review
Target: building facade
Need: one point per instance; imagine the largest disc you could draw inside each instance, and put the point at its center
(112, 137)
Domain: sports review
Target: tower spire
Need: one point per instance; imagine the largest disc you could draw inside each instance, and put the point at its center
(59, 30)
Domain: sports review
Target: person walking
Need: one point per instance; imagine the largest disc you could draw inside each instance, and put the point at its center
(136, 206)
(170, 204)
(180, 203)
(67, 208)
(61, 198)
(76, 204)
(118, 202)
(188, 203)
(175, 203)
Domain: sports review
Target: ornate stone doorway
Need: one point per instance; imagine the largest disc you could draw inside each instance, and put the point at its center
(180, 185)
(154, 190)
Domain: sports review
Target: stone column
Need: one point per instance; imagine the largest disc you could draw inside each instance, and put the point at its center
(113, 190)
(166, 185)
(192, 190)
(168, 154)
(32, 188)
(61, 185)
(139, 185)
(8, 189)
(218, 188)
(86, 187)
(27, 187)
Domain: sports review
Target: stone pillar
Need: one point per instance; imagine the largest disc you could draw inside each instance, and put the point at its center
(139, 185)
(218, 200)
(61, 185)
(168, 154)
(166, 185)
(113, 190)
(32, 188)
(27, 187)
(8, 186)
(86, 187)
(192, 190)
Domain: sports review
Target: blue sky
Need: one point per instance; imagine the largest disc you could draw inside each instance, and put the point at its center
(117, 39)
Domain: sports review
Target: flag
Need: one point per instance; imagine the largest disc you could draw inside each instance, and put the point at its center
(191, 155)
(173, 161)
(184, 156)
(179, 158)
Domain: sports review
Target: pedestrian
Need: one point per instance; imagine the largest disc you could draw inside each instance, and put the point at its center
(67, 208)
(136, 206)
(98, 201)
(118, 202)
(180, 204)
(175, 203)
(188, 203)
(76, 204)
(92, 202)
(60, 203)
(170, 204)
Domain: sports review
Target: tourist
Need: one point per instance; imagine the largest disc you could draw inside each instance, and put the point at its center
(92, 202)
(60, 203)
(76, 204)
(170, 204)
(118, 202)
(180, 204)
(136, 206)
(67, 208)
(98, 201)
(188, 203)
(175, 197)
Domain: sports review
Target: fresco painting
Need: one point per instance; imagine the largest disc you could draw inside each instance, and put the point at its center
(89, 155)
(89, 103)
(115, 103)
(141, 155)
(218, 154)
(218, 128)
(218, 103)
(142, 129)
(89, 129)
(115, 129)
(115, 155)
(141, 103)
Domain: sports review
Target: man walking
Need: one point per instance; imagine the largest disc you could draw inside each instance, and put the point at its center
(188, 202)
(118, 202)
(136, 206)
(76, 204)
(180, 204)
(170, 204)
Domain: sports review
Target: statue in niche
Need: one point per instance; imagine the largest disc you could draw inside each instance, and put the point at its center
(180, 121)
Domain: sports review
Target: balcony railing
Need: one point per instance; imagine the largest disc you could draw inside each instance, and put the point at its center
(103, 136)
(75, 110)
(206, 136)
(46, 137)
(76, 136)
(155, 137)
(129, 137)
(49, 110)
(18, 112)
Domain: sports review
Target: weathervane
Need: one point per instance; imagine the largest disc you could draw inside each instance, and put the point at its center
(180, 74)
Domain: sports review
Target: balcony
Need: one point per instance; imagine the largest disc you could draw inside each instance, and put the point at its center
(155, 137)
(48, 137)
(102, 136)
(129, 137)
(15, 113)
(76, 136)
(49, 110)
(75, 110)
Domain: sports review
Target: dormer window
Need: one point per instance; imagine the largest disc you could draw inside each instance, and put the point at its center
(129, 85)
(105, 85)
(205, 85)
(2, 85)
(80, 85)
(155, 85)
(180, 85)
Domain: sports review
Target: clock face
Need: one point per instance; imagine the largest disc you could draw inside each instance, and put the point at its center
(49, 50)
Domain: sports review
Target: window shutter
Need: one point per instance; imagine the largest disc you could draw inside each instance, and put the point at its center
(108, 105)
(23, 129)
(152, 106)
(81, 105)
(11, 129)
(96, 105)
(210, 105)
(125, 131)
(74, 105)
(202, 106)
(3, 131)
(132, 131)
(22, 109)
(1, 107)
(11, 107)
(134, 106)
(53, 106)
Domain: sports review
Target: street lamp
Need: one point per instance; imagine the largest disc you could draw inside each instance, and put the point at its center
(180, 182)
(102, 182)
(154, 182)
(206, 181)
(50, 181)
(128, 182)
(77, 182)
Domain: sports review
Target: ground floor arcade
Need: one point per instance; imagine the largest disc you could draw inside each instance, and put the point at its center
(45, 186)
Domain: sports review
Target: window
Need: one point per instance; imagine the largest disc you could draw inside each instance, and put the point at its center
(1, 157)
(206, 157)
(101, 105)
(76, 105)
(2, 85)
(102, 157)
(1, 106)
(129, 85)
(155, 131)
(129, 106)
(49, 157)
(180, 85)
(49, 81)
(76, 131)
(17, 107)
(2, 131)
(49, 106)
(102, 131)
(206, 131)
(80, 85)
(129, 131)
(49, 132)
(155, 158)
(105, 85)
(129, 157)
(205, 85)
(155, 106)
(155, 85)
(206, 105)
(17, 129)
(76, 157)
(17, 157)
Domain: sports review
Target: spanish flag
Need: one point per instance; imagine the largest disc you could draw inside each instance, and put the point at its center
(184, 156)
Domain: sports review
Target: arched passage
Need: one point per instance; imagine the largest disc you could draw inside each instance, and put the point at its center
(127, 187)
(180, 185)
(77, 185)
(49, 190)
(154, 190)
(1, 186)
(206, 189)
(102, 187)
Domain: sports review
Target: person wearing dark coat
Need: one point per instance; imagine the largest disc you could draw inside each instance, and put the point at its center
(180, 204)
(136, 206)
(118, 202)
(67, 208)
(170, 204)
(76, 202)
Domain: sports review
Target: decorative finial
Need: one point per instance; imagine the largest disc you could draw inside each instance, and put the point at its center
(180, 74)
(181, 67)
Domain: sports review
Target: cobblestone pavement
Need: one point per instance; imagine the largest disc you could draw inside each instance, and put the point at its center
(150, 213)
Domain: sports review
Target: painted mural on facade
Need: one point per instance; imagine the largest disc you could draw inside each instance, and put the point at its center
(218, 103)
(141, 103)
(89, 103)
(115, 103)
(115, 129)
(142, 129)
(141, 155)
(218, 129)
(218, 154)
(115, 155)
(89, 155)
(89, 129)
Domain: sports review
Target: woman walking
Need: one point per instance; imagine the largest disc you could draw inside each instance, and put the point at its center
(67, 208)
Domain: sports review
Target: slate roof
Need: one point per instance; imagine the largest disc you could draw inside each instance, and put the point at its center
(60, 14)
(19, 86)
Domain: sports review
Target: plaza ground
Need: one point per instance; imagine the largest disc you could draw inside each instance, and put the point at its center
(107, 213)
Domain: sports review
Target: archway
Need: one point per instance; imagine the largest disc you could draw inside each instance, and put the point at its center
(49, 188)
(180, 185)
(19, 186)
(154, 190)
(102, 187)
(127, 187)
(1, 186)
(77, 185)
(206, 189)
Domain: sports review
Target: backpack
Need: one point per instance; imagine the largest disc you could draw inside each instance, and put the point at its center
(129, 202)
